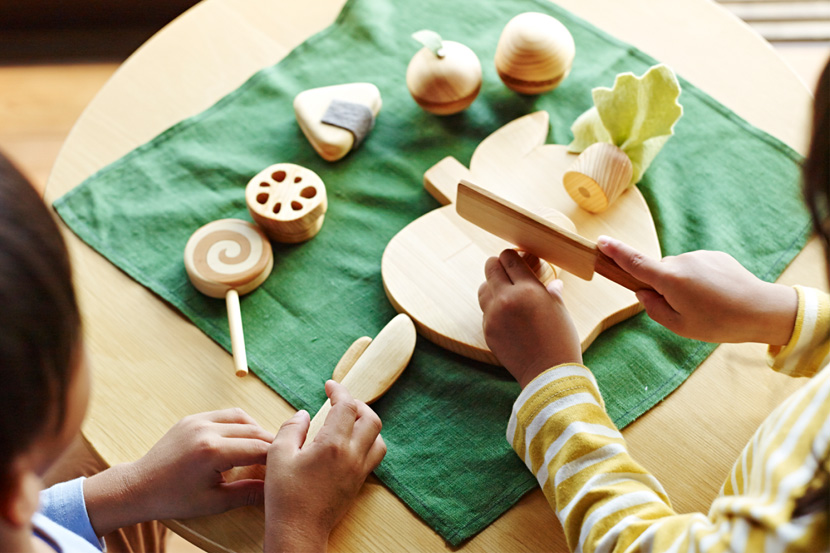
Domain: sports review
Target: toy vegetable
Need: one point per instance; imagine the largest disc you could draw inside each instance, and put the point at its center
(443, 77)
(534, 53)
(633, 121)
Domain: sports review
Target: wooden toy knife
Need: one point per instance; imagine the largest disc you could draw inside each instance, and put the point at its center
(533, 234)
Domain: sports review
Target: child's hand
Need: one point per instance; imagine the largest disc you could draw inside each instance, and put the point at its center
(526, 326)
(310, 486)
(709, 296)
(181, 476)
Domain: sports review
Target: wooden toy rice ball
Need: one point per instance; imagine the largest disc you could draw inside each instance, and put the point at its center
(443, 77)
(288, 201)
(534, 53)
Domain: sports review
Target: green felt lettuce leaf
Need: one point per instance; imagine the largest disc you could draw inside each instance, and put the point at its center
(637, 115)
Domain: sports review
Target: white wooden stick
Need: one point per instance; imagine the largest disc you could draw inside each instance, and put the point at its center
(240, 358)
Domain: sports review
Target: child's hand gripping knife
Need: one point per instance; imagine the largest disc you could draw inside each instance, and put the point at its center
(310, 486)
(709, 296)
(526, 325)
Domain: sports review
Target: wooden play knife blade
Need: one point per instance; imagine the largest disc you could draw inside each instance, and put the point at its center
(533, 234)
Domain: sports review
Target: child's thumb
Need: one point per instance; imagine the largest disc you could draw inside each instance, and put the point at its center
(292, 433)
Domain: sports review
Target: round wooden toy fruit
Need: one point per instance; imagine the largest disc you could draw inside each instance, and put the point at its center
(534, 53)
(288, 201)
(443, 77)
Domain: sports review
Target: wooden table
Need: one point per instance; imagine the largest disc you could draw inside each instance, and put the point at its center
(152, 367)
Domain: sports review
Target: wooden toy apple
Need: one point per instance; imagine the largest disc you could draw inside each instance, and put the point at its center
(443, 77)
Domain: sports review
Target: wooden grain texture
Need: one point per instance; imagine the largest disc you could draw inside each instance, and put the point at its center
(432, 268)
(541, 237)
(350, 358)
(534, 53)
(218, 44)
(444, 84)
(598, 176)
(331, 142)
(288, 202)
(376, 368)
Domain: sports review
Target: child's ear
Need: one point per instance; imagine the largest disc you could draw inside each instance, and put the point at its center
(22, 502)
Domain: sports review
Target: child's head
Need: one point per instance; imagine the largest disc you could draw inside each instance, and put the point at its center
(43, 383)
(817, 165)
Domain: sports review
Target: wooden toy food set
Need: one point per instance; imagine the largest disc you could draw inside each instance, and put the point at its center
(541, 198)
(433, 267)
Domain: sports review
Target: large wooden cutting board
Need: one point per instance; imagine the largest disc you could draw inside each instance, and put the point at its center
(432, 268)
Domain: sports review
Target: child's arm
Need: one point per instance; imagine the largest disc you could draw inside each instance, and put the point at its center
(310, 486)
(180, 477)
(709, 296)
(809, 347)
(604, 499)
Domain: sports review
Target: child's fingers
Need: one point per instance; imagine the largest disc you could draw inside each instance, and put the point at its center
(496, 276)
(630, 260)
(292, 433)
(376, 453)
(515, 267)
(241, 493)
(659, 309)
(340, 421)
(484, 296)
(230, 416)
(238, 452)
(556, 288)
(244, 431)
(367, 427)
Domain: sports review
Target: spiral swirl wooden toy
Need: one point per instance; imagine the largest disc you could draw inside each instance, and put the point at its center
(227, 258)
(288, 201)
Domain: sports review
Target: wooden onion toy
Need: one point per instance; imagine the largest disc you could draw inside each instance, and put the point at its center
(534, 53)
(598, 176)
(288, 201)
(443, 77)
(225, 259)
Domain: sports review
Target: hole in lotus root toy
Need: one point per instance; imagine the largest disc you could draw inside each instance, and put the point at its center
(262, 198)
(266, 184)
(296, 205)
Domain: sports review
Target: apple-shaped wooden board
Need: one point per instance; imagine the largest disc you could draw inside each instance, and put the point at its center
(433, 267)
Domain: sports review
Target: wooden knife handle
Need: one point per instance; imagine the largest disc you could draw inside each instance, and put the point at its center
(608, 268)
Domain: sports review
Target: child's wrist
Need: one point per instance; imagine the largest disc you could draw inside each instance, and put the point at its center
(778, 313)
(295, 538)
(532, 373)
(111, 500)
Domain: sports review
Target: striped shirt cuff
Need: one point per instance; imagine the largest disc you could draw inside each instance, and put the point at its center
(808, 348)
(554, 390)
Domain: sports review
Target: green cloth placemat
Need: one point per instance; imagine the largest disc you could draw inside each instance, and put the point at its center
(718, 184)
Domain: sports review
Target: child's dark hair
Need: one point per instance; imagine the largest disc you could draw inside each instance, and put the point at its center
(39, 320)
(817, 195)
(817, 165)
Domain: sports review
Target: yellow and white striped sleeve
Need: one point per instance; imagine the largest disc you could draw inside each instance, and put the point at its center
(604, 499)
(809, 347)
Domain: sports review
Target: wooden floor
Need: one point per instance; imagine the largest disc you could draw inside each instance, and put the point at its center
(39, 102)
